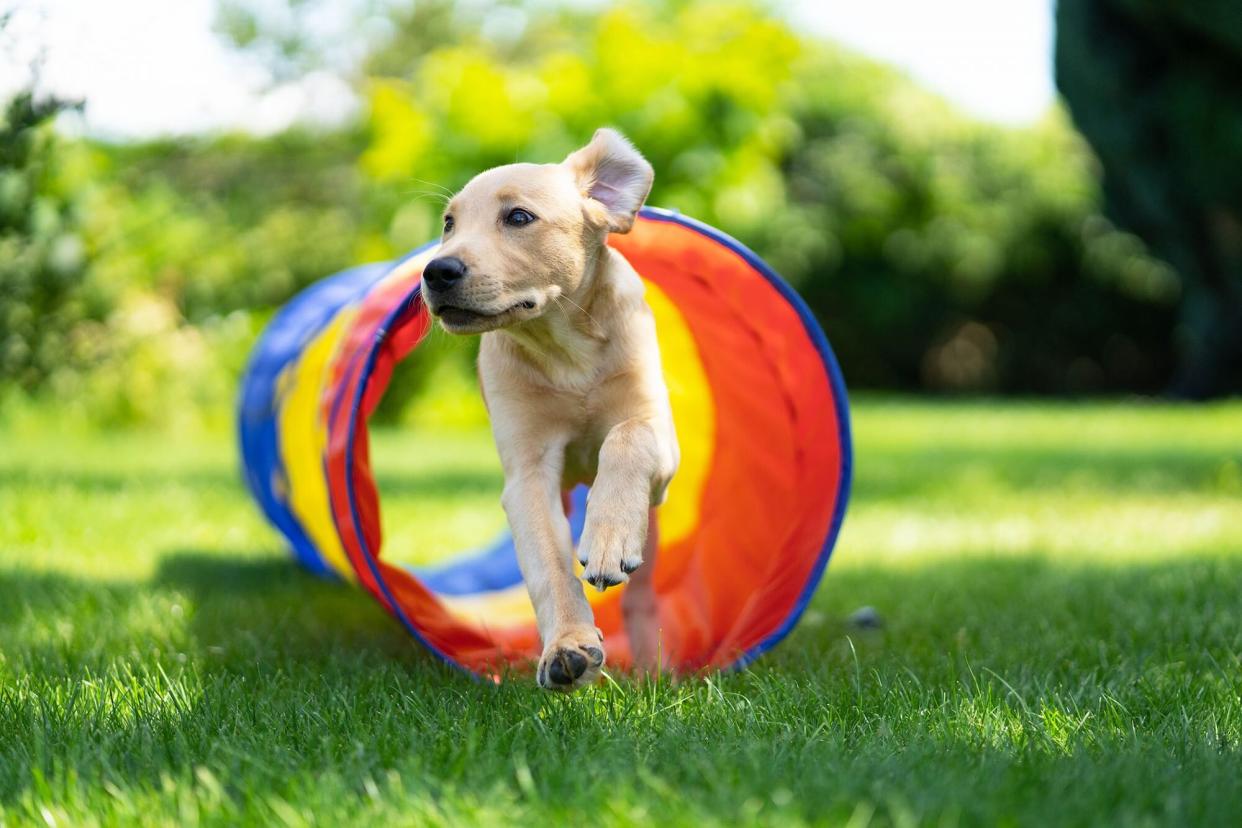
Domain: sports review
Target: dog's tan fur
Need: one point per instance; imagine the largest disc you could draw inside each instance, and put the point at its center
(570, 370)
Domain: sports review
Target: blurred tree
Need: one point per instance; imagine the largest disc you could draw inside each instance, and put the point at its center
(42, 254)
(940, 253)
(922, 239)
(926, 241)
(298, 37)
(225, 223)
(1155, 87)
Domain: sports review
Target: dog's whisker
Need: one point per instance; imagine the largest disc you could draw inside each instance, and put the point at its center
(579, 307)
(426, 194)
(439, 187)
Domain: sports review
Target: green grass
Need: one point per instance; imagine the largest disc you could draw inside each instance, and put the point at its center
(1062, 587)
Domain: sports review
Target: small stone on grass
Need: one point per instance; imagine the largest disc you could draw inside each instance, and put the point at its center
(865, 618)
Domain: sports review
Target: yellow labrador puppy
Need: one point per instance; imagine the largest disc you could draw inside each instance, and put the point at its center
(570, 370)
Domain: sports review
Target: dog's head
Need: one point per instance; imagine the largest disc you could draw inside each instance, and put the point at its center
(518, 237)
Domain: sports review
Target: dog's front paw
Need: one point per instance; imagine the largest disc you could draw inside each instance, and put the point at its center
(571, 660)
(610, 550)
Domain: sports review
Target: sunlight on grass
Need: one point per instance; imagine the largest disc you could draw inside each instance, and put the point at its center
(439, 493)
(1058, 585)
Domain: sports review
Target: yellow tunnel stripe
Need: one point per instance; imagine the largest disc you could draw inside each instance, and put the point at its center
(304, 431)
(304, 440)
(694, 415)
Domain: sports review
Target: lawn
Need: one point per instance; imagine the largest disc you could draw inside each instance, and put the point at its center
(1061, 587)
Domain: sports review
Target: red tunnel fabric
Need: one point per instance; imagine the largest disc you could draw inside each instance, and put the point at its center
(760, 410)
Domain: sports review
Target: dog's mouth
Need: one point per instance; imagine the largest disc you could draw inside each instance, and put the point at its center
(468, 320)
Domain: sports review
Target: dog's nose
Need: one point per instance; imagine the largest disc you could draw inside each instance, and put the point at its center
(444, 272)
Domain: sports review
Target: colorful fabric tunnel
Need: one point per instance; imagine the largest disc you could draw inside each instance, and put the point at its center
(750, 518)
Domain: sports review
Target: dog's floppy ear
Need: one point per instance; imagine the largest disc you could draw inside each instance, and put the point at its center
(610, 171)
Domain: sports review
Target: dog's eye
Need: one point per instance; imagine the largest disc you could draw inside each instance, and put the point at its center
(517, 217)
(448, 224)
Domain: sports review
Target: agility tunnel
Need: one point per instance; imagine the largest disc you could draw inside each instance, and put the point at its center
(750, 519)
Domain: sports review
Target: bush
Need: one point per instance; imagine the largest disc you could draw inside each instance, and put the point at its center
(43, 256)
(1153, 85)
(939, 253)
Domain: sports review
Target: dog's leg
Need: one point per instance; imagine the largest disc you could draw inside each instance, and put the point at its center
(617, 509)
(572, 650)
(639, 610)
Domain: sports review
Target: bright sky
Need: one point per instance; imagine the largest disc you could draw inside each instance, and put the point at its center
(993, 58)
(148, 67)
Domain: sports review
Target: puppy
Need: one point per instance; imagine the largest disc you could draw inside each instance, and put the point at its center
(570, 371)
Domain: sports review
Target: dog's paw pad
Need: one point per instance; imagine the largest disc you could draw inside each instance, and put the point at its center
(569, 665)
(566, 667)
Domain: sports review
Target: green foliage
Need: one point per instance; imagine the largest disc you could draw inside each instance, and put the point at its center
(924, 241)
(232, 223)
(42, 250)
(921, 239)
(1058, 585)
(940, 253)
(1152, 85)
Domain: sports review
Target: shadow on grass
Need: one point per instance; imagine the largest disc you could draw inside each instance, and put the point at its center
(313, 616)
(992, 682)
(1026, 611)
(197, 604)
